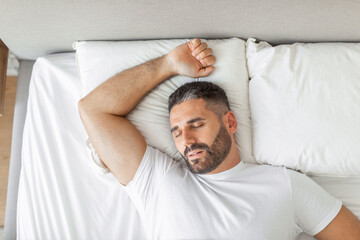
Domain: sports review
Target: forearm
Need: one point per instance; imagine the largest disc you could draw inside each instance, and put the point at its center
(120, 94)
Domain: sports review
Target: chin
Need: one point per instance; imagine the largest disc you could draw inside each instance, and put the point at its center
(201, 169)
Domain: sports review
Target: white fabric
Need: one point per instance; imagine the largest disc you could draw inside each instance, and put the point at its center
(305, 107)
(61, 196)
(95, 157)
(248, 201)
(346, 189)
(98, 61)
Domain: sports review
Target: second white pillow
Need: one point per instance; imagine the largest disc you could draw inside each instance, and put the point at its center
(305, 106)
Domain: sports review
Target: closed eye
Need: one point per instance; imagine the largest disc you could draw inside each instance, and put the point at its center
(197, 126)
(178, 133)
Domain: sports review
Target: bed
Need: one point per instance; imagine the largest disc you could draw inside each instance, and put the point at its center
(58, 184)
(54, 77)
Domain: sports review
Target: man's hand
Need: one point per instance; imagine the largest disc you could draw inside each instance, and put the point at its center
(192, 59)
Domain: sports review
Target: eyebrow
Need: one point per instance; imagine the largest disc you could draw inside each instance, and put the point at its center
(189, 122)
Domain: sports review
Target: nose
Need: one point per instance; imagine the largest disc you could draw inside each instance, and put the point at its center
(188, 138)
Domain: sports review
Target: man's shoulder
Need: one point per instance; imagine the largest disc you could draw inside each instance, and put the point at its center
(155, 152)
(159, 153)
(159, 158)
(298, 178)
(264, 167)
(266, 173)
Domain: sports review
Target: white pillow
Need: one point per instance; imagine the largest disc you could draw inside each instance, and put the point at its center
(305, 106)
(98, 61)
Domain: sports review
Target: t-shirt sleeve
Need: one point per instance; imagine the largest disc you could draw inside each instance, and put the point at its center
(143, 188)
(313, 207)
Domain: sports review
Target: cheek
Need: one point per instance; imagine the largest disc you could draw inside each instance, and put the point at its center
(206, 133)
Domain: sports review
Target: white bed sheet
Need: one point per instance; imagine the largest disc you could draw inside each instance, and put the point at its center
(61, 193)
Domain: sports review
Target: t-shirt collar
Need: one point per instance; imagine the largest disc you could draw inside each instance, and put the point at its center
(225, 174)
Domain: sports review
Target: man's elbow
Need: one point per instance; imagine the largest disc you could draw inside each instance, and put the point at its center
(85, 109)
(86, 114)
(82, 107)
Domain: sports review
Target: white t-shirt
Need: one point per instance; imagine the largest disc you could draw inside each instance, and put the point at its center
(248, 201)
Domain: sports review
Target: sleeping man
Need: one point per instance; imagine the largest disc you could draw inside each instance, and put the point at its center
(214, 195)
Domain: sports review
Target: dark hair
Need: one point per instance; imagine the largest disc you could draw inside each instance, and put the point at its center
(213, 95)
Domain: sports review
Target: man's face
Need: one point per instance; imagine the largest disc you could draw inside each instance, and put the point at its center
(203, 142)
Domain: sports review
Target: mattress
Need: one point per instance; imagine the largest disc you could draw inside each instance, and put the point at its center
(61, 193)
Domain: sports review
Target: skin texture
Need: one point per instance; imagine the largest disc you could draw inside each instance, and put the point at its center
(121, 146)
(207, 158)
(187, 133)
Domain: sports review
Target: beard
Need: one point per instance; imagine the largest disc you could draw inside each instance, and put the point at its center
(214, 155)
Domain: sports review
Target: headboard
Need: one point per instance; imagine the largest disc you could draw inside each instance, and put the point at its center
(37, 27)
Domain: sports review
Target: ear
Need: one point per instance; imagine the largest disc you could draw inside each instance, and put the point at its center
(230, 122)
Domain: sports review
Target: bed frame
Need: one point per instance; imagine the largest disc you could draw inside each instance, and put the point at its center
(35, 28)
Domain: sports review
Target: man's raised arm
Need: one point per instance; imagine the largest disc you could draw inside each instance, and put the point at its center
(117, 141)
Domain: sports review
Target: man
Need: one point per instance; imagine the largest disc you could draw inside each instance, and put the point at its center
(216, 196)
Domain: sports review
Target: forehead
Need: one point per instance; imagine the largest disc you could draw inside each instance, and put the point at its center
(192, 108)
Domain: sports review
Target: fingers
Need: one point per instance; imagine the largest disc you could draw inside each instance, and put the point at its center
(202, 53)
(206, 71)
(195, 43)
(203, 46)
(208, 61)
(205, 53)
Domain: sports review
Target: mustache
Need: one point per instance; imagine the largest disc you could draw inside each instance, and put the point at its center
(196, 146)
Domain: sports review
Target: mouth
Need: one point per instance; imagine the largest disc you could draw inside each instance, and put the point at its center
(195, 153)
